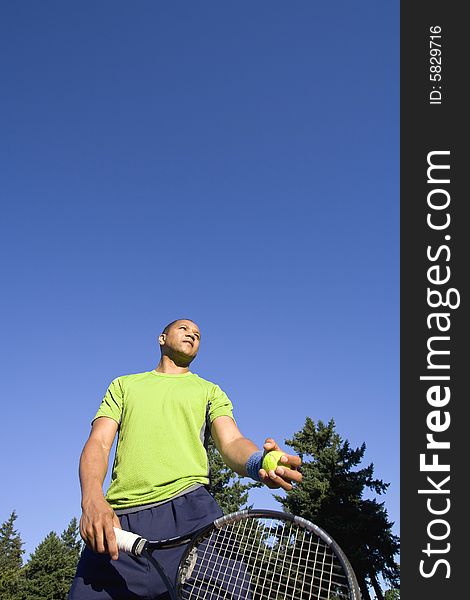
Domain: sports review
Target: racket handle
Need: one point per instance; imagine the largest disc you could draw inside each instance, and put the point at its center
(129, 542)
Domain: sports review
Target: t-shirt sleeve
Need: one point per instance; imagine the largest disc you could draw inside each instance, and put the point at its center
(111, 405)
(219, 404)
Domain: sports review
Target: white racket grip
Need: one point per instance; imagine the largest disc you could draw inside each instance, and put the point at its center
(129, 542)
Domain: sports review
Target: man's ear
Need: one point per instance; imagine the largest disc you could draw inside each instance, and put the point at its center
(161, 339)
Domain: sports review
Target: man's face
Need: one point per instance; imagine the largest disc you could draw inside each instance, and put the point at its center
(181, 340)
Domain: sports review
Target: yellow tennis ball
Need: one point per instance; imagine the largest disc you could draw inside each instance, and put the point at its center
(272, 460)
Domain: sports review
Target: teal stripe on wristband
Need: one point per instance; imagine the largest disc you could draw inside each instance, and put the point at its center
(253, 465)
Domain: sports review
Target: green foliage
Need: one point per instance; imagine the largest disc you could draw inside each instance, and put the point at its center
(72, 541)
(51, 568)
(226, 486)
(11, 551)
(331, 495)
(392, 594)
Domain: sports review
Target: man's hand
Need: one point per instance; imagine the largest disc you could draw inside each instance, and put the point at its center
(96, 527)
(280, 477)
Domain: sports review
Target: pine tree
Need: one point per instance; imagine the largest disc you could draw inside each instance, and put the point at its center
(50, 569)
(331, 495)
(73, 543)
(226, 486)
(11, 552)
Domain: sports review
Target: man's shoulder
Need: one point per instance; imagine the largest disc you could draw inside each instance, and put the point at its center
(203, 381)
(130, 377)
(210, 386)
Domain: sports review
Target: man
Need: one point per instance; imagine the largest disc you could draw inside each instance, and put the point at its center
(160, 471)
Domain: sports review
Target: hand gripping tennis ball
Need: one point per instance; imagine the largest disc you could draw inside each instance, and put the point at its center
(272, 460)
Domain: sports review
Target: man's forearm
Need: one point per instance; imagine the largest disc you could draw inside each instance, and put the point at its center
(98, 518)
(93, 469)
(237, 452)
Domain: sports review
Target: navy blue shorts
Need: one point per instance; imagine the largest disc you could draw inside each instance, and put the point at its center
(131, 578)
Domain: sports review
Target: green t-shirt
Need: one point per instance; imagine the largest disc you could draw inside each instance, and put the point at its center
(162, 420)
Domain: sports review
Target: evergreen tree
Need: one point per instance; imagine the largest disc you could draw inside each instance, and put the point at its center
(331, 495)
(51, 567)
(226, 486)
(72, 542)
(46, 577)
(72, 548)
(11, 551)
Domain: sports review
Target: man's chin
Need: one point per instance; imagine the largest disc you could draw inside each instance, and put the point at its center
(184, 357)
(187, 350)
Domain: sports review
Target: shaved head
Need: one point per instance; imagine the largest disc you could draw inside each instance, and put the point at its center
(167, 328)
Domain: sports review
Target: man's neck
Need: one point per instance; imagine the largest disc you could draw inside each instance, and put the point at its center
(166, 365)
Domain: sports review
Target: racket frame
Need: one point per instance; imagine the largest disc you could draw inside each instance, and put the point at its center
(354, 590)
(143, 547)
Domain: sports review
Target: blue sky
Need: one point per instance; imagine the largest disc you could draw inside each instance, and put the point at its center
(234, 163)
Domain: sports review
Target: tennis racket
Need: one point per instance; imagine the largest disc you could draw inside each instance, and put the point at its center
(253, 555)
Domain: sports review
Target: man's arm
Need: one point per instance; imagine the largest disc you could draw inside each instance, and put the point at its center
(98, 518)
(236, 450)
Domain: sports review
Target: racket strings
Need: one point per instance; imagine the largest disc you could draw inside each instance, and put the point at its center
(265, 559)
